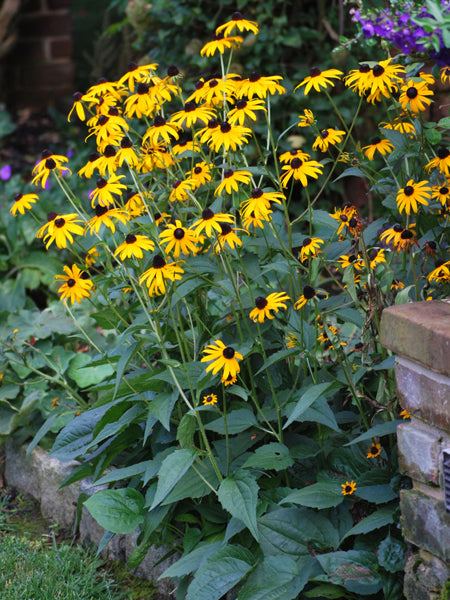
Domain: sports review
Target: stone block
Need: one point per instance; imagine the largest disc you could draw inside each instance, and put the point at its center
(21, 473)
(44, 25)
(420, 451)
(424, 394)
(419, 331)
(425, 522)
(425, 577)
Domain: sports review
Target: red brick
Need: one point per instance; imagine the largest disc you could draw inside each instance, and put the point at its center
(40, 26)
(47, 75)
(61, 48)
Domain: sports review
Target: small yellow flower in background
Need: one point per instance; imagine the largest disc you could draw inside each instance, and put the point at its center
(441, 272)
(23, 202)
(374, 451)
(257, 85)
(1, 378)
(300, 170)
(441, 162)
(441, 193)
(55, 402)
(351, 260)
(307, 119)
(228, 136)
(192, 114)
(286, 157)
(259, 202)
(245, 109)
(376, 257)
(161, 271)
(231, 180)
(76, 286)
(180, 190)
(220, 43)
(324, 338)
(413, 194)
(91, 257)
(141, 103)
(92, 164)
(405, 414)
(210, 400)
(348, 488)
(78, 99)
(222, 357)
(135, 74)
(414, 96)
(310, 247)
(237, 24)
(309, 293)
(133, 246)
(199, 174)
(106, 190)
(252, 219)
(14, 334)
(263, 306)
(319, 80)
(359, 80)
(291, 340)
(377, 144)
(48, 163)
(327, 138)
(444, 75)
(104, 215)
(227, 237)
(179, 239)
(210, 222)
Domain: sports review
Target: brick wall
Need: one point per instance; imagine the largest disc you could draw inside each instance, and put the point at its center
(419, 334)
(39, 69)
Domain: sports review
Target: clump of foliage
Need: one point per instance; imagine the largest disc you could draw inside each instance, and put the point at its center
(235, 376)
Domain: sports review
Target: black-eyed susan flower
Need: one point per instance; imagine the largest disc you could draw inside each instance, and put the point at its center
(192, 114)
(415, 96)
(161, 218)
(319, 80)
(376, 257)
(441, 161)
(348, 488)
(127, 154)
(430, 248)
(307, 119)
(260, 202)
(291, 340)
(91, 165)
(391, 235)
(108, 129)
(106, 190)
(245, 109)
(108, 161)
(252, 219)
(134, 246)
(399, 124)
(237, 24)
(180, 189)
(374, 451)
(209, 400)
(159, 274)
(444, 75)
(324, 338)
(136, 73)
(222, 357)
(231, 180)
(359, 80)
(257, 85)
(141, 103)
(351, 260)
(220, 43)
(104, 87)
(161, 131)
(22, 203)
(200, 174)
(49, 163)
(413, 194)
(91, 257)
(205, 134)
(227, 237)
(310, 247)
(185, 146)
(405, 414)
(344, 215)
(441, 272)
(441, 193)
(60, 229)
(216, 90)
(76, 286)
(385, 79)
(179, 239)
(78, 107)
(328, 137)
(309, 293)
(154, 157)
(135, 205)
(300, 170)
(377, 144)
(106, 215)
(265, 304)
(210, 223)
(407, 239)
(228, 136)
(286, 157)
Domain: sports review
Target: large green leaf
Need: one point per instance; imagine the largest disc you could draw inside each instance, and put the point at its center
(194, 483)
(191, 562)
(239, 495)
(172, 469)
(119, 511)
(324, 494)
(306, 400)
(380, 518)
(162, 405)
(273, 456)
(281, 531)
(220, 572)
(354, 570)
(377, 431)
(85, 375)
(237, 421)
(277, 578)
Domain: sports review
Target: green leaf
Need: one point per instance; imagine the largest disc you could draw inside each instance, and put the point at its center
(86, 376)
(193, 483)
(119, 511)
(354, 570)
(326, 590)
(391, 554)
(186, 430)
(306, 400)
(282, 531)
(237, 421)
(321, 413)
(162, 405)
(239, 495)
(270, 456)
(276, 357)
(324, 494)
(378, 494)
(124, 473)
(220, 572)
(190, 562)
(277, 578)
(380, 518)
(376, 431)
(172, 469)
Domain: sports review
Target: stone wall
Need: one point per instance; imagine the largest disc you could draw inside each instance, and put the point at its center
(419, 335)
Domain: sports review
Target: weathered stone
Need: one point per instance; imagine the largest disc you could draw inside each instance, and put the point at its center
(21, 473)
(425, 577)
(420, 451)
(419, 331)
(425, 522)
(424, 394)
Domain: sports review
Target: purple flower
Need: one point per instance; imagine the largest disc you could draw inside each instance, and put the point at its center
(5, 172)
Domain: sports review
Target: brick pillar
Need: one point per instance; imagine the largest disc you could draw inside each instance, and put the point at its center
(419, 334)
(40, 70)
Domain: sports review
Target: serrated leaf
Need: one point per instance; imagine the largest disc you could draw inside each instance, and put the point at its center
(172, 469)
(324, 494)
(281, 531)
(306, 400)
(119, 511)
(239, 495)
(162, 405)
(380, 518)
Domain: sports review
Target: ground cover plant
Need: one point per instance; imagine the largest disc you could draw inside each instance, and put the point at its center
(233, 372)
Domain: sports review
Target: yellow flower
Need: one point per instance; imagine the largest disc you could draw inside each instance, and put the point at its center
(307, 119)
(374, 451)
(78, 99)
(222, 357)
(179, 239)
(328, 137)
(107, 189)
(141, 103)
(23, 202)
(159, 273)
(441, 162)
(133, 246)
(300, 170)
(199, 174)
(318, 79)
(310, 247)
(348, 488)
(231, 180)
(444, 74)
(360, 80)
(237, 23)
(381, 145)
(244, 109)
(385, 79)
(135, 74)
(49, 163)
(228, 136)
(413, 194)
(291, 340)
(191, 114)
(77, 285)
(59, 229)
(210, 400)
(441, 272)
(405, 414)
(104, 215)
(220, 43)
(226, 237)
(263, 306)
(180, 189)
(259, 202)
(257, 85)
(309, 293)
(414, 96)
(441, 193)
(210, 222)
(161, 131)
(127, 154)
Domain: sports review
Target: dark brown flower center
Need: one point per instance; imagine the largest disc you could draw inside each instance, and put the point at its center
(126, 143)
(159, 121)
(213, 123)
(412, 92)
(237, 16)
(443, 190)
(71, 282)
(101, 182)
(102, 120)
(172, 71)
(190, 106)
(376, 140)
(257, 193)
(309, 292)
(225, 127)
(109, 152)
(397, 228)
(364, 68)
(59, 222)
(77, 96)
(241, 103)
(228, 173)
(50, 164)
(378, 70)
(254, 76)
(51, 216)
(197, 170)
(407, 234)
(226, 229)
(315, 72)
(158, 262)
(207, 214)
(142, 88)
(130, 239)
(101, 210)
(45, 154)
(408, 190)
(324, 133)
(443, 153)
(17, 197)
(306, 242)
(353, 222)
(228, 352)
(296, 163)
(179, 233)
(213, 83)
(260, 302)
